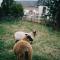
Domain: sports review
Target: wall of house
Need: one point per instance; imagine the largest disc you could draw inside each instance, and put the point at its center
(34, 14)
(30, 12)
(42, 10)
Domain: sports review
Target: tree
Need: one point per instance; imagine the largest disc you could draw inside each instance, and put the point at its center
(6, 5)
(10, 7)
(42, 2)
(17, 10)
(1, 12)
(54, 10)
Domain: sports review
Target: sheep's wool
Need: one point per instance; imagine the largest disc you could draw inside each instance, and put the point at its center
(19, 35)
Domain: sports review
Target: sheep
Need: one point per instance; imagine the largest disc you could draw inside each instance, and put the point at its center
(23, 49)
(20, 35)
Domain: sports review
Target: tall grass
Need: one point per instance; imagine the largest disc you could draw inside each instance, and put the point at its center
(46, 45)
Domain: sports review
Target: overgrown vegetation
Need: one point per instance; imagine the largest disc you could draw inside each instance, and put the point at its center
(46, 45)
(10, 8)
(17, 10)
(54, 11)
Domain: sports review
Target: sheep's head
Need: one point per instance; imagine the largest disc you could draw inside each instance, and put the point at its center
(29, 37)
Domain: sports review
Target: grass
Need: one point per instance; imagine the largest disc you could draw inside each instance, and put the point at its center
(46, 45)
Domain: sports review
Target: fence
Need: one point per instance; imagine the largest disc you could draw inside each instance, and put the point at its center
(35, 19)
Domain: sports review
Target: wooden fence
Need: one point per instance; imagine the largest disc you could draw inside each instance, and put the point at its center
(35, 19)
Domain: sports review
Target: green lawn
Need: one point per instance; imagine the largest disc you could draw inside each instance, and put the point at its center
(46, 45)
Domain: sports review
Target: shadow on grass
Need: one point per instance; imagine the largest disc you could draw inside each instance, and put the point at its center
(5, 54)
(9, 20)
(36, 57)
(1, 45)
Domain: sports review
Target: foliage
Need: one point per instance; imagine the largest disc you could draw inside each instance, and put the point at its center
(17, 10)
(6, 5)
(41, 2)
(1, 12)
(54, 11)
(10, 8)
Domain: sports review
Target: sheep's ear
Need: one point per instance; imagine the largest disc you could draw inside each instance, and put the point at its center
(29, 37)
(26, 34)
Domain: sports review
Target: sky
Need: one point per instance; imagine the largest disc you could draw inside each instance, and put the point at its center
(0, 1)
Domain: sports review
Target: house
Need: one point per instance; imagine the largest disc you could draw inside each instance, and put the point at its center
(32, 10)
(43, 10)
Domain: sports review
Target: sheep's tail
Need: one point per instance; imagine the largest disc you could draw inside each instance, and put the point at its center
(26, 55)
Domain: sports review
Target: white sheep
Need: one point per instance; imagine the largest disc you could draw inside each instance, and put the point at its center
(20, 35)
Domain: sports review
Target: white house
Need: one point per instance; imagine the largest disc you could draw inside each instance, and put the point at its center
(43, 10)
(31, 10)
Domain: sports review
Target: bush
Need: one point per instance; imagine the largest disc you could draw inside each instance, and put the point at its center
(17, 10)
(0, 12)
(6, 5)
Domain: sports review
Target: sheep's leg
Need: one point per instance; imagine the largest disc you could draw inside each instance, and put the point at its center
(21, 57)
(26, 55)
(30, 53)
(17, 57)
(30, 56)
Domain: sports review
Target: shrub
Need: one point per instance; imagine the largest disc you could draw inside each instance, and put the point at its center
(17, 10)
